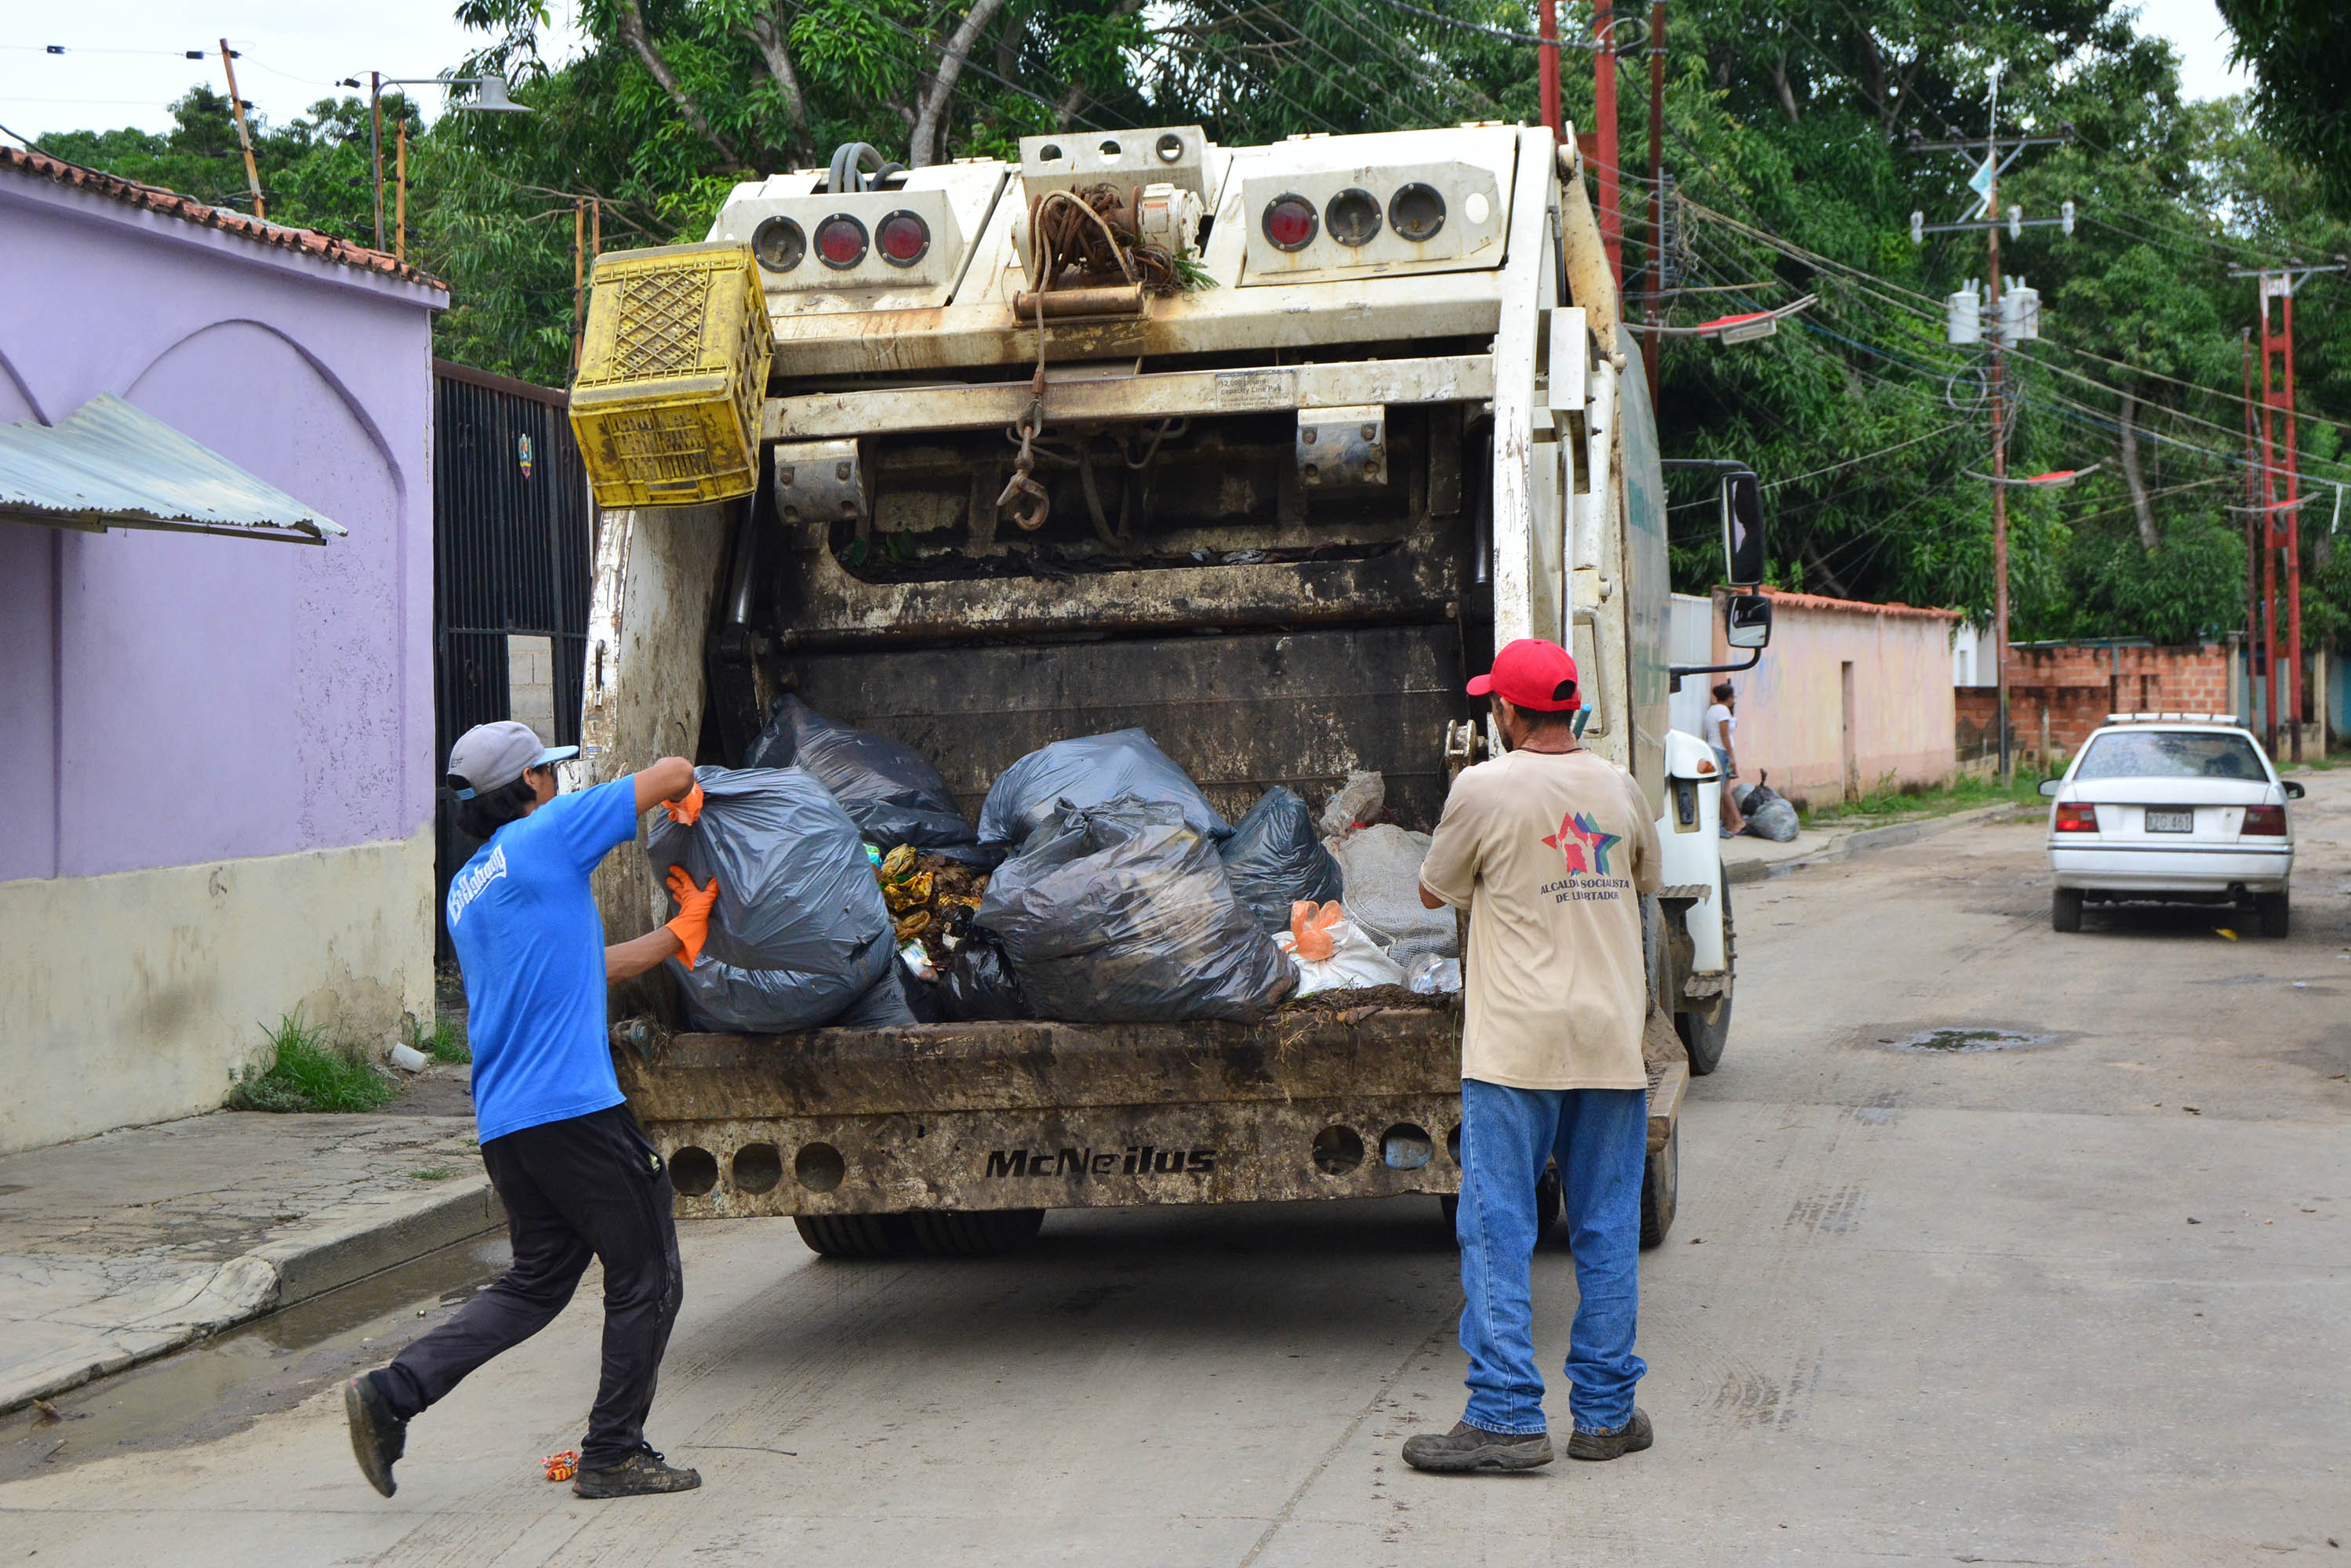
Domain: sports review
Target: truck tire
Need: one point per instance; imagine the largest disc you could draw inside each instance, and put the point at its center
(2276, 916)
(2066, 909)
(854, 1235)
(1547, 1206)
(981, 1233)
(1661, 1186)
(1705, 1032)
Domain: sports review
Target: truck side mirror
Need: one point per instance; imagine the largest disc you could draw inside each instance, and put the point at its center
(1747, 623)
(1742, 531)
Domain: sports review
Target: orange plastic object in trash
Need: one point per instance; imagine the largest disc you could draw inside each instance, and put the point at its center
(1310, 928)
(562, 1467)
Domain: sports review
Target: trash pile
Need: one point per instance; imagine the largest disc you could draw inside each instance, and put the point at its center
(1768, 812)
(1100, 885)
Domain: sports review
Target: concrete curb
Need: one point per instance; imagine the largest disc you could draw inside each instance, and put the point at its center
(1894, 835)
(338, 1247)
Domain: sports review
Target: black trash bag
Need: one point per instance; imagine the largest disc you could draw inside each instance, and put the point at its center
(800, 931)
(1122, 914)
(1275, 858)
(1769, 815)
(1090, 771)
(891, 790)
(978, 983)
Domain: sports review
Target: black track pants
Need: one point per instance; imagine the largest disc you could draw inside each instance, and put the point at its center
(590, 1185)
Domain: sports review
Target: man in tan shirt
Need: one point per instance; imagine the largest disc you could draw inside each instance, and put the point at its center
(1550, 848)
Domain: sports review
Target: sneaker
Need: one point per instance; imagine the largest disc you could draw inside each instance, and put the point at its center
(377, 1437)
(1630, 1439)
(1468, 1448)
(641, 1474)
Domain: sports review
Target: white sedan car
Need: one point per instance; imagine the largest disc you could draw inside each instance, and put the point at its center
(2176, 807)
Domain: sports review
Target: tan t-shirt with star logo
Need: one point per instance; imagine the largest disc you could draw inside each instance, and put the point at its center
(1551, 853)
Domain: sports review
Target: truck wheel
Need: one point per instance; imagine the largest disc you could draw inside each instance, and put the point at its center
(1661, 1186)
(982, 1233)
(854, 1235)
(1705, 1032)
(2276, 917)
(2066, 909)
(1547, 1206)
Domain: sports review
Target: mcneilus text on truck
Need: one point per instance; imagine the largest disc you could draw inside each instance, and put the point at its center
(1387, 425)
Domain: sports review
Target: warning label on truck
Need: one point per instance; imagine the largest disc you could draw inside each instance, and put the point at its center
(1139, 1160)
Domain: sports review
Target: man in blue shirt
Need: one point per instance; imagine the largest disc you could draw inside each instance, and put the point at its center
(577, 1175)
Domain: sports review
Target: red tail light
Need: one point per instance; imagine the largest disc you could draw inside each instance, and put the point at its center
(903, 237)
(2073, 818)
(2263, 821)
(1290, 223)
(840, 241)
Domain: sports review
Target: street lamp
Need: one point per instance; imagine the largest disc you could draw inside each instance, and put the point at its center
(490, 96)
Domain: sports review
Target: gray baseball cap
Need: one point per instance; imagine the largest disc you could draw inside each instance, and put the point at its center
(493, 756)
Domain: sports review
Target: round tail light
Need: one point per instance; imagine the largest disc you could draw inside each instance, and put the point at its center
(1416, 211)
(1352, 217)
(779, 244)
(1290, 223)
(903, 239)
(840, 241)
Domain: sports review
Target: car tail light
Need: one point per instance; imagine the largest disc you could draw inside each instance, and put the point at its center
(2264, 822)
(1352, 217)
(840, 241)
(2074, 817)
(779, 244)
(903, 239)
(1416, 211)
(1290, 223)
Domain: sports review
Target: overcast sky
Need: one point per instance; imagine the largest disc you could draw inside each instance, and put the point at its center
(125, 67)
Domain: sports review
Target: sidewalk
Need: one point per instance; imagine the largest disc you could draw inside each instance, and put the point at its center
(124, 1246)
(1752, 860)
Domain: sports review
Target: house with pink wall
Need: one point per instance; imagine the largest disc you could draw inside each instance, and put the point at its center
(217, 751)
(1848, 696)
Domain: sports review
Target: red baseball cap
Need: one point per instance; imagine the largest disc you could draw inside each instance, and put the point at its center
(1531, 673)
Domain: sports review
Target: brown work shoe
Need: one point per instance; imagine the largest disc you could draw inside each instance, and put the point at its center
(641, 1474)
(1634, 1436)
(1468, 1448)
(377, 1437)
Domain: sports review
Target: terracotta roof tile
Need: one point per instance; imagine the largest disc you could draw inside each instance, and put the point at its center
(1853, 606)
(172, 204)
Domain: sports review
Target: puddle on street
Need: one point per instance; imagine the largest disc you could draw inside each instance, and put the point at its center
(1965, 1041)
(229, 1381)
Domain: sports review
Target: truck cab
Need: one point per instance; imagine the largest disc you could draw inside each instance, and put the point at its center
(1270, 483)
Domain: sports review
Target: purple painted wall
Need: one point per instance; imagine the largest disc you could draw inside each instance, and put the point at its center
(168, 699)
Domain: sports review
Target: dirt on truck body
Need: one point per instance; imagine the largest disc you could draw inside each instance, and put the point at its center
(1285, 518)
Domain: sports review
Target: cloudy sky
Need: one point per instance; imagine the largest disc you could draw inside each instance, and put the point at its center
(125, 67)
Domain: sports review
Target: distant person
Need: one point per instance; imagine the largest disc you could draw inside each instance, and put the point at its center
(1550, 847)
(1720, 731)
(576, 1175)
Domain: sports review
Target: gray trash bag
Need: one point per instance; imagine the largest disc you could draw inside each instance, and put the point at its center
(1769, 815)
(1122, 914)
(800, 931)
(730, 999)
(1273, 859)
(1090, 771)
(891, 791)
(1382, 866)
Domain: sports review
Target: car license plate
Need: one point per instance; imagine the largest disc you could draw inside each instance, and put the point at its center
(2170, 822)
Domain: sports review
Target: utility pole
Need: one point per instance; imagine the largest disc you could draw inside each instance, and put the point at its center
(400, 201)
(1654, 341)
(2256, 647)
(1998, 445)
(2279, 456)
(375, 146)
(1604, 115)
(244, 138)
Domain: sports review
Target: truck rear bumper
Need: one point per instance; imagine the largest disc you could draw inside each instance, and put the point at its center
(1361, 1104)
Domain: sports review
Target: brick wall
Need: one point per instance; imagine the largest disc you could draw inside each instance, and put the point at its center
(2057, 694)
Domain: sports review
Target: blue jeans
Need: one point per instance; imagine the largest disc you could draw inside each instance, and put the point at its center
(1601, 1139)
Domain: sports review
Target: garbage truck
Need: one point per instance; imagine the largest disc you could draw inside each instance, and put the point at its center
(1264, 450)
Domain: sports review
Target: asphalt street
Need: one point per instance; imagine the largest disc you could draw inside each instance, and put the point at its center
(2080, 1299)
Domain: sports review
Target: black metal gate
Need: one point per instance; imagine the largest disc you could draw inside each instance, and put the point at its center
(513, 537)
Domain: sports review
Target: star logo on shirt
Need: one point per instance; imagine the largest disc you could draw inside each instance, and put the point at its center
(1582, 844)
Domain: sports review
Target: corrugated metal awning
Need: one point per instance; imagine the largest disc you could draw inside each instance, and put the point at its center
(115, 466)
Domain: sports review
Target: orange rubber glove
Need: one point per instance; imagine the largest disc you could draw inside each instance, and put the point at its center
(686, 813)
(692, 924)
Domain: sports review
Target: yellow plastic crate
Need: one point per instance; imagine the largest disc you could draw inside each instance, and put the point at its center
(672, 369)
